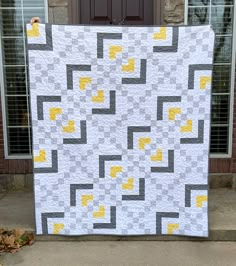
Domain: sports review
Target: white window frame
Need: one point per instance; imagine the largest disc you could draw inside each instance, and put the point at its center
(2, 88)
(232, 85)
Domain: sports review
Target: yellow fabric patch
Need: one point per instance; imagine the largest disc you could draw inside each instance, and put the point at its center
(158, 156)
(83, 82)
(188, 127)
(161, 35)
(129, 185)
(85, 199)
(204, 80)
(143, 142)
(130, 67)
(171, 228)
(200, 200)
(41, 158)
(173, 112)
(54, 112)
(113, 51)
(100, 213)
(114, 170)
(34, 32)
(99, 98)
(57, 228)
(70, 128)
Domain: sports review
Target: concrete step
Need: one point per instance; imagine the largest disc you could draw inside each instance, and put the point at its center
(215, 235)
(17, 211)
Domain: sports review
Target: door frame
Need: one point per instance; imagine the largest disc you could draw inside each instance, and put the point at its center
(74, 12)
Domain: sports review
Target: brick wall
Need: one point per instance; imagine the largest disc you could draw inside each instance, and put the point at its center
(58, 13)
(173, 14)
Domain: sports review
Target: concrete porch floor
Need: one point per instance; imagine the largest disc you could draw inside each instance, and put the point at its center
(17, 211)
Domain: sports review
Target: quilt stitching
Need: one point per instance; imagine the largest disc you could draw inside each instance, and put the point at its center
(120, 139)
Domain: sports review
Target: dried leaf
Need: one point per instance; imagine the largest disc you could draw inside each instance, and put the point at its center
(27, 237)
(18, 233)
(10, 241)
(3, 230)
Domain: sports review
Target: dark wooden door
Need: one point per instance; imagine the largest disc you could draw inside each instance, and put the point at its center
(125, 12)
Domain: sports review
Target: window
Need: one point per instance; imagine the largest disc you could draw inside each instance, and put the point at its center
(220, 14)
(13, 67)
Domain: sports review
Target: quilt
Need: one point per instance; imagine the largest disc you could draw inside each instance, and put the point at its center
(120, 122)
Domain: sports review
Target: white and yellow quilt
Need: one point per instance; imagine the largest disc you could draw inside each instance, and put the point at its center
(120, 121)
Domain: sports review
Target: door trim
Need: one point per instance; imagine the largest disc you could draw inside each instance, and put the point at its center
(158, 12)
(74, 12)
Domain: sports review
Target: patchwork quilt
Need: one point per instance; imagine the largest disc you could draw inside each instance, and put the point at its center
(120, 121)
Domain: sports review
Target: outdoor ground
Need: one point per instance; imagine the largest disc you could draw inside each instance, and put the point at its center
(129, 253)
(17, 211)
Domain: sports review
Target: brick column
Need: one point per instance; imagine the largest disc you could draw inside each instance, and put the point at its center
(173, 12)
(58, 11)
